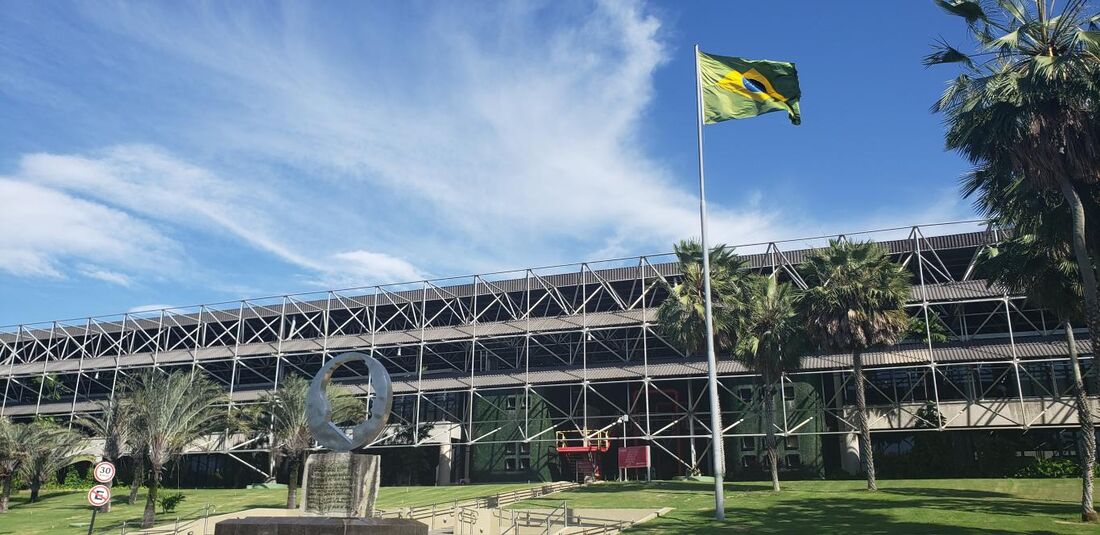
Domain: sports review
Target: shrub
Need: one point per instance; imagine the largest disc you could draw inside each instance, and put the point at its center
(169, 502)
(1051, 468)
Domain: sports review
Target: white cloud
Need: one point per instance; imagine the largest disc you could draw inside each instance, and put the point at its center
(106, 275)
(516, 145)
(44, 230)
(472, 141)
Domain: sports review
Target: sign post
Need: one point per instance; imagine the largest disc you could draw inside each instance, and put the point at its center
(100, 495)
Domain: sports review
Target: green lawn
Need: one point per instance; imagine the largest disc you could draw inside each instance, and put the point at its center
(966, 506)
(63, 512)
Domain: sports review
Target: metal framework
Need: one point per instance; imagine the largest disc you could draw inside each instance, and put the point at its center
(580, 343)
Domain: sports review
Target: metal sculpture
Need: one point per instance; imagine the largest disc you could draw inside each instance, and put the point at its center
(319, 411)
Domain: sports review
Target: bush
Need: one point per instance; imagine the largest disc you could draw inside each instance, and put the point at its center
(1051, 468)
(72, 480)
(169, 502)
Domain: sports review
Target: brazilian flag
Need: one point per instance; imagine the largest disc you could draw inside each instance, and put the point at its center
(738, 88)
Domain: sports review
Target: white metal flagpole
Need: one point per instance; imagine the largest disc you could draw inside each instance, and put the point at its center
(717, 451)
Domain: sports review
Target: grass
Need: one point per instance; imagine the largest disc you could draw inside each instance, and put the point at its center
(67, 512)
(958, 506)
(954, 506)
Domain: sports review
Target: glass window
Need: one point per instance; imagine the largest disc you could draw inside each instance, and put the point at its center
(794, 460)
(748, 461)
(745, 393)
(748, 443)
(792, 442)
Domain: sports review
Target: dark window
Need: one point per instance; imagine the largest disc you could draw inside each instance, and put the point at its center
(748, 443)
(794, 460)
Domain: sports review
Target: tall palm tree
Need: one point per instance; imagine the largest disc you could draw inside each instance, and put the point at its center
(1048, 275)
(681, 315)
(855, 300)
(284, 411)
(114, 424)
(13, 440)
(770, 340)
(171, 411)
(49, 448)
(1025, 108)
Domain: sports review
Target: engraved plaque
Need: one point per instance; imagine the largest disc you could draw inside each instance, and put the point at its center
(340, 484)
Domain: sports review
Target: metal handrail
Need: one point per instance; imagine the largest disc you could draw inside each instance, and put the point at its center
(564, 514)
(207, 510)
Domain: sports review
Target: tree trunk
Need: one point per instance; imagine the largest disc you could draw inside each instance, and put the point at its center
(150, 516)
(1088, 431)
(35, 487)
(5, 494)
(292, 482)
(769, 434)
(139, 475)
(1081, 254)
(861, 418)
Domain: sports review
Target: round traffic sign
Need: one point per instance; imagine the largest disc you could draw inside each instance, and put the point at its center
(99, 495)
(104, 472)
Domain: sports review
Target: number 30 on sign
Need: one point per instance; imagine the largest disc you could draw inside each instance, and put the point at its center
(104, 472)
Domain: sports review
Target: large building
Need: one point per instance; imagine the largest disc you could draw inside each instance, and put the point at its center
(508, 375)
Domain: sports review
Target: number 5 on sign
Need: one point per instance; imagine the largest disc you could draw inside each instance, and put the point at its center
(104, 472)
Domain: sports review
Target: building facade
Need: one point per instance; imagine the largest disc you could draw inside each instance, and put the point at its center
(501, 370)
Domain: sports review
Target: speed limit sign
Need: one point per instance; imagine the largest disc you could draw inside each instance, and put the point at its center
(104, 472)
(99, 495)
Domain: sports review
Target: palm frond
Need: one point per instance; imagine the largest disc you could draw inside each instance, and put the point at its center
(944, 53)
(968, 9)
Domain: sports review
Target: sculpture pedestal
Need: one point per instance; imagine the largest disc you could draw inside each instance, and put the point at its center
(281, 525)
(340, 484)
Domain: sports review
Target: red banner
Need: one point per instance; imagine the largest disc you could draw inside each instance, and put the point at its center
(634, 457)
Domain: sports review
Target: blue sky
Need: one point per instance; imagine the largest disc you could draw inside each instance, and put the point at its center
(172, 153)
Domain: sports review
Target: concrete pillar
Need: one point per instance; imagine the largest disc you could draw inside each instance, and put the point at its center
(849, 453)
(443, 470)
(849, 443)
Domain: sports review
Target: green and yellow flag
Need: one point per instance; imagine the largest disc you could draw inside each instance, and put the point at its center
(737, 88)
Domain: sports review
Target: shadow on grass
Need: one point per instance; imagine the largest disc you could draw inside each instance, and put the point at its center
(946, 493)
(839, 516)
(896, 510)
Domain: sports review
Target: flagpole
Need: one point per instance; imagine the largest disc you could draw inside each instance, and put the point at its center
(717, 449)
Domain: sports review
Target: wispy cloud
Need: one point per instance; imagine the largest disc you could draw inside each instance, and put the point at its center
(45, 231)
(468, 140)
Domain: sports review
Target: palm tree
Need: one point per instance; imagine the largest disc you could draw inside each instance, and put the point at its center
(13, 440)
(855, 300)
(681, 315)
(1025, 108)
(1048, 275)
(770, 339)
(137, 453)
(171, 411)
(285, 412)
(114, 424)
(49, 448)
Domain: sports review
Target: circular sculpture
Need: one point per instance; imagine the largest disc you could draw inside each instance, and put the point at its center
(319, 413)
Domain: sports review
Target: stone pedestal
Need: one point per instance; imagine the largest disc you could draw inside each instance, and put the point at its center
(281, 525)
(340, 485)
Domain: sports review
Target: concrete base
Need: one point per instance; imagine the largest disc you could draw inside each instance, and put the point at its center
(274, 525)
